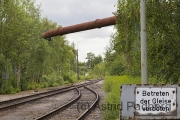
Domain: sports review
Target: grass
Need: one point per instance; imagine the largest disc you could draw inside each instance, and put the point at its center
(112, 87)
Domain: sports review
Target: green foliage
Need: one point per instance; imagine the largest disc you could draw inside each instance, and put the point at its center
(87, 77)
(108, 85)
(68, 78)
(93, 60)
(163, 27)
(99, 70)
(74, 78)
(24, 54)
(23, 84)
(97, 60)
(112, 86)
(118, 66)
(8, 88)
(31, 86)
(164, 40)
(52, 80)
(43, 85)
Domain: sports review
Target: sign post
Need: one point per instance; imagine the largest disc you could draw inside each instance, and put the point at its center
(144, 78)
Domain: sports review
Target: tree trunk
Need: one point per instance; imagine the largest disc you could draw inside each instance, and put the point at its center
(127, 50)
(18, 75)
(43, 67)
(27, 65)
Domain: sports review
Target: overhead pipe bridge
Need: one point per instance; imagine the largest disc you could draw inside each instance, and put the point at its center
(98, 23)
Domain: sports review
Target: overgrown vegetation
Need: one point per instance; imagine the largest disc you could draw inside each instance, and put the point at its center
(163, 26)
(26, 60)
(112, 87)
(122, 57)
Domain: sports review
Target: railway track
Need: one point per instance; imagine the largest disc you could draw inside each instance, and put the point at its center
(77, 109)
(37, 99)
(20, 101)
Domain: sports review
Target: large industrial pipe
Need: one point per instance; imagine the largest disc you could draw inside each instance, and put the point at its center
(81, 27)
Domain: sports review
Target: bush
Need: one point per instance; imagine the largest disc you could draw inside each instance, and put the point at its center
(13, 82)
(55, 84)
(87, 77)
(31, 86)
(112, 86)
(23, 84)
(43, 85)
(67, 78)
(8, 88)
(107, 86)
(74, 78)
(51, 80)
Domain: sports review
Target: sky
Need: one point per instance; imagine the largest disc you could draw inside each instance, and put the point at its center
(71, 12)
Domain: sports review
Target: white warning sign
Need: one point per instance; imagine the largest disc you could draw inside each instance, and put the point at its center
(155, 101)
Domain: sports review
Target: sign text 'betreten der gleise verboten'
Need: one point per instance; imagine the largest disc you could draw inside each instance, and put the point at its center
(155, 101)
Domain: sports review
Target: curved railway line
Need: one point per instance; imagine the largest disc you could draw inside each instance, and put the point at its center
(71, 109)
(57, 112)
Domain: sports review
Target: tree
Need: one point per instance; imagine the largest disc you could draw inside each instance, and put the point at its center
(24, 55)
(163, 38)
(97, 59)
(90, 57)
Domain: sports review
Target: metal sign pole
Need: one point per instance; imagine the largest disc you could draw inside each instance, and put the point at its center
(144, 79)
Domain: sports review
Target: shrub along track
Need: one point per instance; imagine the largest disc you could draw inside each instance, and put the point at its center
(6, 106)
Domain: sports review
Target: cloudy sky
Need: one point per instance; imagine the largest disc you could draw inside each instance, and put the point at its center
(71, 12)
